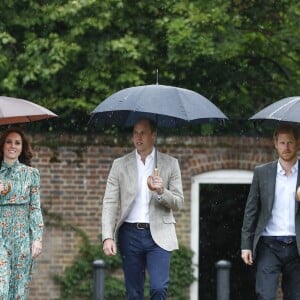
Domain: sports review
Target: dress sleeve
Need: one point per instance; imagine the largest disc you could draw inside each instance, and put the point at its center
(35, 213)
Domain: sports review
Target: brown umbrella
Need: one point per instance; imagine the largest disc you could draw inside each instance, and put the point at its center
(14, 110)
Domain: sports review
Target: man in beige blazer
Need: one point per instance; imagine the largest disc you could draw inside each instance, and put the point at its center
(139, 218)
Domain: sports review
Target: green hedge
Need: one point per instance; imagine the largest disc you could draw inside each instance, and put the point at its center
(77, 281)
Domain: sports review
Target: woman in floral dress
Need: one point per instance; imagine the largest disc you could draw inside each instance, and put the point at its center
(21, 222)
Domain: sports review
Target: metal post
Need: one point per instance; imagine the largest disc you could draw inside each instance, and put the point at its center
(223, 279)
(98, 274)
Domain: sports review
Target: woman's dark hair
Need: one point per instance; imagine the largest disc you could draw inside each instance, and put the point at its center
(26, 154)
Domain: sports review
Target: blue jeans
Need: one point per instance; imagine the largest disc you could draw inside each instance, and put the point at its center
(275, 258)
(140, 253)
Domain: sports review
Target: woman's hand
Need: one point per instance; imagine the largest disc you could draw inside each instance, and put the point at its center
(2, 188)
(36, 249)
(5, 189)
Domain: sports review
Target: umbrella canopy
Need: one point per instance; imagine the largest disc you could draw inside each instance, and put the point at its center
(14, 110)
(285, 110)
(167, 106)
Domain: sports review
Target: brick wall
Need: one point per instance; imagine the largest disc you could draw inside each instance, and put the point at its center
(74, 171)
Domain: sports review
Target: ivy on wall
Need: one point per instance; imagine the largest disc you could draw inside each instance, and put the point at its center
(77, 281)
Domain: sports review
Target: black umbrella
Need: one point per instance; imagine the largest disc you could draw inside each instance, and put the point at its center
(167, 106)
(284, 110)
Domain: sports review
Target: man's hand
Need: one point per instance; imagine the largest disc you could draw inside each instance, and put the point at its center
(158, 184)
(247, 257)
(109, 247)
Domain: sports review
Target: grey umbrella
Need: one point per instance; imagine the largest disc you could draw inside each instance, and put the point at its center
(284, 110)
(167, 106)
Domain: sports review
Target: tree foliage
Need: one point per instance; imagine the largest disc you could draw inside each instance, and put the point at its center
(69, 55)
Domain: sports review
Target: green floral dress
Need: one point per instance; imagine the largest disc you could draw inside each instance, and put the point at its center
(21, 223)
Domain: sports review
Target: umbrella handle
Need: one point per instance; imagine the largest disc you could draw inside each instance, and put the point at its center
(150, 179)
(7, 189)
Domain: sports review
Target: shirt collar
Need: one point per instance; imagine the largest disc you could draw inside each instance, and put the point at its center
(151, 155)
(294, 168)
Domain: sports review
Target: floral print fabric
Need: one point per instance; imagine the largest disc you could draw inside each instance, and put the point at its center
(21, 223)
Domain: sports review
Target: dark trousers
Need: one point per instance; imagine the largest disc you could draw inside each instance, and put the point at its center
(274, 258)
(140, 253)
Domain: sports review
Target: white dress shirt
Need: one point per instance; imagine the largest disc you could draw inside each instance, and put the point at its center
(140, 209)
(282, 220)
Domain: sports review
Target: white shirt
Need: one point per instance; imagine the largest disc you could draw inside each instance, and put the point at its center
(140, 209)
(282, 220)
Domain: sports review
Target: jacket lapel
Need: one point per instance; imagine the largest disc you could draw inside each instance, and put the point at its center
(297, 185)
(131, 168)
(160, 163)
(271, 183)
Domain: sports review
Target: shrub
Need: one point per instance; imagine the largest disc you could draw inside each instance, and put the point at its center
(77, 281)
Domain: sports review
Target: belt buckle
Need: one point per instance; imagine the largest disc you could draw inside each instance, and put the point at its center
(140, 226)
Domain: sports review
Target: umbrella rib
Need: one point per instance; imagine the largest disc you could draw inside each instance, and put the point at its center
(283, 106)
(182, 105)
(169, 106)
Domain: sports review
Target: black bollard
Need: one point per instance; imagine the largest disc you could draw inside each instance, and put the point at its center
(98, 274)
(223, 279)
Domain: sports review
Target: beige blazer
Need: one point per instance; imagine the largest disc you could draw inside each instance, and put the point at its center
(121, 190)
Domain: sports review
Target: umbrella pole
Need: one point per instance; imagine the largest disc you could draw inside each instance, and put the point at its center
(155, 158)
(155, 154)
(155, 172)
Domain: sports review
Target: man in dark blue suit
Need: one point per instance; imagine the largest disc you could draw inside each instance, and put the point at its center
(271, 227)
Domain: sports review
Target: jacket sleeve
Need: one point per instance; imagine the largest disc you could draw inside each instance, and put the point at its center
(110, 203)
(172, 196)
(251, 214)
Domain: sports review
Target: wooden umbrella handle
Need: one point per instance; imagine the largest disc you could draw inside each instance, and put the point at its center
(150, 179)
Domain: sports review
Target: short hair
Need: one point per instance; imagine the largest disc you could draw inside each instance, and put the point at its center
(26, 154)
(152, 124)
(286, 128)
